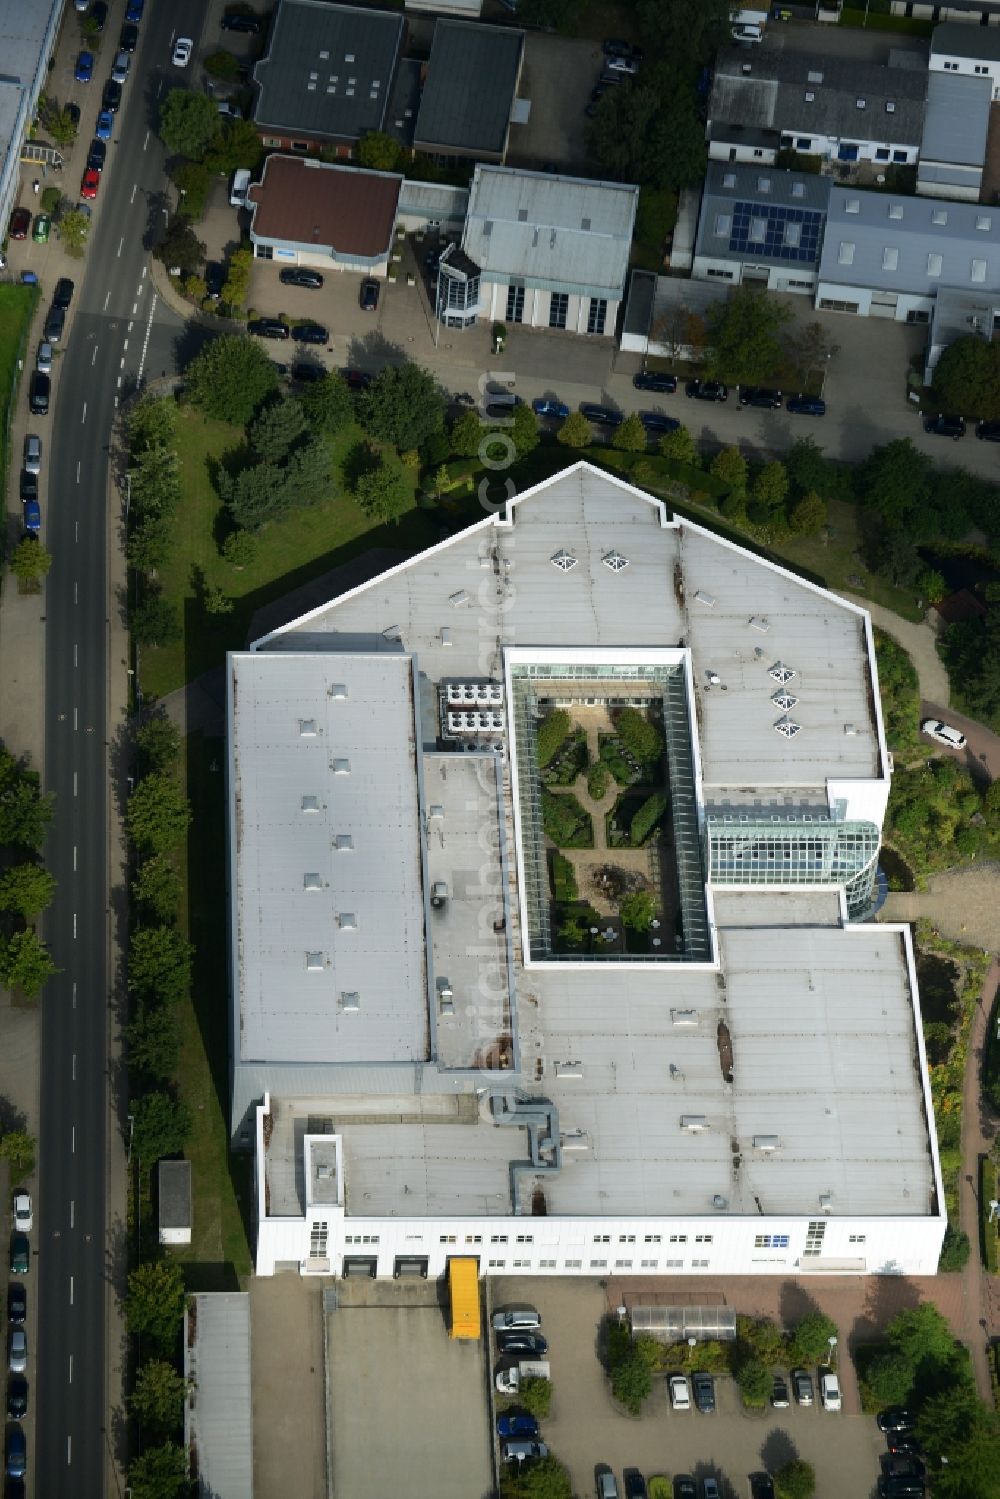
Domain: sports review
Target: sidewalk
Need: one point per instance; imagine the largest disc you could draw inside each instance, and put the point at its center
(982, 1311)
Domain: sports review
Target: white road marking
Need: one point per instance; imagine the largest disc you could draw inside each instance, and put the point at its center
(121, 244)
(78, 470)
(132, 199)
(69, 1452)
(122, 364)
(74, 858)
(72, 1146)
(72, 1206)
(74, 939)
(71, 1368)
(145, 342)
(146, 141)
(93, 357)
(75, 793)
(125, 344)
(74, 1079)
(119, 385)
(74, 994)
(84, 416)
(131, 325)
(76, 711)
(76, 655)
(107, 299)
(76, 531)
(144, 273)
(76, 600)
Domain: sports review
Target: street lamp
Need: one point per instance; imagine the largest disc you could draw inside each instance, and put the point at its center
(833, 1355)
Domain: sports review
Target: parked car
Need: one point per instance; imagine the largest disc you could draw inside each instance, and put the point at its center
(134, 9)
(761, 1486)
(779, 1394)
(901, 1488)
(894, 1418)
(300, 275)
(99, 15)
(40, 233)
(17, 1350)
(680, 1392)
(20, 223)
(97, 155)
(829, 1391)
(239, 21)
(951, 738)
(629, 66)
(803, 1386)
(228, 110)
(129, 37)
(635, 1484)
(215, 278)
(520, 1452)
(22, 1200)
(706, 390)
(607, 1484)
(90, 182)
(654, 380)
(656, 423)
(55, 324)
(760, 395)
(183, 48)
(943, 425)
(63, 294)
(903, 1466)
(603, 416)
(44, 357)
(311, 333)
(703, 1386)
(517, 1318)
(613, 46)
(33, 453)
(806, 406)
(17, 1398)
(522, 1342)
(268, 327)
(988, 431)
(83, 72)
(17, 1452)
(20, 1253)
(72, 113)
(369, 295)
(112, 96)
(556, 410)
(120, 66)
(31, 517)
(38, 394)
(517, 1426)
(28, 488)
(105, 125)
(17, 1303)
(902, 1442)
(685, 1487)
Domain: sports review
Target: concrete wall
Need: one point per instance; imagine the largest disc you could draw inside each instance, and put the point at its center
(733, 273)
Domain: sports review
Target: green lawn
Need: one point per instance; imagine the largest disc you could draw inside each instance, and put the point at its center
(17, 304)
(909, 25)
(301, 547)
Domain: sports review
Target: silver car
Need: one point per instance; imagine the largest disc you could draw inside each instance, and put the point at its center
(44, 360)
(17, 1360)
(120, 70)
(32, 454)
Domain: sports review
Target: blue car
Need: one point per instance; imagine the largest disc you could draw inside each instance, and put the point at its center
(806, 406)
(105, 125)
(32, 517)
(656, 422)
(525, 1427)
(133, 11)
(84, 70)
(543, 407)
(17, 1453)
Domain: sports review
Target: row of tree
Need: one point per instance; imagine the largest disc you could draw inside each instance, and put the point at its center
(26, 886)
(154, 494)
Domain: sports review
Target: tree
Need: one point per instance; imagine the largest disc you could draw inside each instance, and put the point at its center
(30, 561)
(956, 1426)
(180, 249)
(158, 814)
(192, 180)
(808, 515)
(152, 423)
(810, 1341)
(523, 430)
(382, 491)
(768, 491)
(276, 428)
(730, 467)
(762, 1339)
(640, 737)
(680, 446)
(967, 377)
(188, 123)
(889, 1378)
(222, 65)
(575, 431)
(158, 1398)
(157, 888)
(236, 145)
(536, 1397)
(744, 337)
(74, 229)
(895, 484)
(307, 474)
(256, 496)
(632, 1381)
(546, 1478)
(24, 813)
(754, 1380)
(467, 434)
(236, 287)
(809, 471)
(548, 15)
(158, 743)
(154, 1043)
(378, 152)
(159, 963)
(159, 1473)
(231, 378)
(551, 735)
(403, 405)
(154, 620)
(650, 131)
(655, 217)
(809, 348)
(638, 910)
(795, 1480)
(27, 889)
(327, 404)
(161, 1127)
(17, 1148)
(689, 29)
(154, 1304)
(216, 601)
(630, 436)
(59, 124)
(26, 963)
(240, 548)
(971, 650)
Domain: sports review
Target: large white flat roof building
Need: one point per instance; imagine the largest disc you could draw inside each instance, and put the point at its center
(426, 1056)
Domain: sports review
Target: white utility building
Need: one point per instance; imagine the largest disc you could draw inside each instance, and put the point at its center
(438, 1050)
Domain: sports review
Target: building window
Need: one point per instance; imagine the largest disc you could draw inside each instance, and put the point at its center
(651, 1239)
(678, 1238)
(498, 1238)
(273, 141)
(699, 1264)
(497, 1264)
(882, 153)
(522, 1264)
(900, 156)
(572, 1264)
(771, 1241)
(856, 1238)
(602, 1238)
(525, 1238)
(758, 152)
(830, 304)
(626, 1238)
(918, 315)
(803, 143)
(674, 1264)
(515, 304)
(815, 1236)
(299, 145)
(264, 252)
(318, 1236)
(473, 1238)
(447, 1239)
(722, 275)
(703, 1238)
(546, 1264)
(978, 270)
(558, 308)
(623, 1264)
(648, 1264)
(597, 315)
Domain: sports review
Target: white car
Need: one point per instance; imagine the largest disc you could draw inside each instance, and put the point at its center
(22, 1213)
(829, 1391)
(183, 48)
(943, 733)
(44, 361)
(680, 1393)
(32, 454)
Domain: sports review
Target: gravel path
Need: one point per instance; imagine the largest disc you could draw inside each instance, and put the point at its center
(919, 643)
(962, 903)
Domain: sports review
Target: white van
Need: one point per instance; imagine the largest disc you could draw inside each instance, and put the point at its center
(240, 188)
(748, 31)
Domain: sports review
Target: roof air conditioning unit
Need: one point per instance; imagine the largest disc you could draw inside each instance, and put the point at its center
(694, 1124)
(439, 894)
(766, 1143)
(719, 1202)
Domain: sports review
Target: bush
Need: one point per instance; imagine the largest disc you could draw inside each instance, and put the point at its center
(796, 1480)
(640, 737)
(754, 1380)
(632, 1381)
(646, 818)
(563, 880)
(550, 736)
(638, 910)
(598, 780)
(536, 1397)
(810, 1340)
(565, 821)
(956, 1249)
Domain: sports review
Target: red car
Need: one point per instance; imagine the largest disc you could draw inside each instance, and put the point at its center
(20, 223)
(91, 182)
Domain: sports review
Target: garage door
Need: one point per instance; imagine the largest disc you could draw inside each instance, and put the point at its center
(409, 1265)
(360, 1264)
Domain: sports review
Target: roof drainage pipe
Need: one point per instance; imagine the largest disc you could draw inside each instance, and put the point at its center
(541, 1120)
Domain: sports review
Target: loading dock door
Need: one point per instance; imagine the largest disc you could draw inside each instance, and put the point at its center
(360, 1264)
(409, 1265)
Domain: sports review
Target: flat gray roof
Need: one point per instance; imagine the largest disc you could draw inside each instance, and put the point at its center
(909, 244)
(470, 87)
(174, 1194)
(218, 1410)
(957, 119)
(959, 39)
(328, 69)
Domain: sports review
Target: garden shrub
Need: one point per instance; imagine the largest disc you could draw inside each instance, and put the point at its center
(647, 817)
(551, 733)
(565, 821)
(640, 737)
(563, 879)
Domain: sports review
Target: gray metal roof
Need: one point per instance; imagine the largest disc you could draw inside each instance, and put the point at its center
(762, 214)
(809, 94)
(909, 244)
(437, 200)
(470, 86)
(567, 233)
(957, 119)
(959, 39)
(218, 1410)
(174, 1194)
(958, 313)
(328, 70)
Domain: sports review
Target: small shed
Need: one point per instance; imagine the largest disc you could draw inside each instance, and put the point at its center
(174, 1184)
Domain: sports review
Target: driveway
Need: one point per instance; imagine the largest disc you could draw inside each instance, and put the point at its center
(557, 77)
(981, 756)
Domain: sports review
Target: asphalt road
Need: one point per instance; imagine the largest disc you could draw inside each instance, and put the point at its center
(116, 323)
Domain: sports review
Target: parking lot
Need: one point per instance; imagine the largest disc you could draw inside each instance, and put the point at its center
(587, 1430)
(557, 77)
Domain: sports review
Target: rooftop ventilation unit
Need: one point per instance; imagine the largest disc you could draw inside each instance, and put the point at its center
(683, 1017)
(312, 881)
(347, 921)
(338, 690)
(780, 672)
(439, 894)
(719, 1202)
(615, 562)
(457, 599)
(307, 728)
(391, 632)
(343, 842)
(444, 989)
(759, 622)
(713, 679)
(850, 730)
(826, 1202)
(314, 962)
(786, 727)
(766, 1143)
(708, 599)
(435, 810)
(694, 1124)
(445, 635)
(350, 1001)
(341, 767)
(474, 694)
(310, 804)
(569, 1069)
(563, 560)
(784, 700)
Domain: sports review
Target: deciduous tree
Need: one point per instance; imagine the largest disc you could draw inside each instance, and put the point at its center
(256, 496)
(158, 743)
(159, 1473)
(159, 963)
(808, 515)
(967, 377)
(74, 231)
(17, 1148)
(188, 123)
(26, 963)
(30, 561)
(795, 1480)
(25, 813)
(181, 247)
(811, 1337)
(27, 889)
(327, 404)
(231, 378)
(154, 1044)
(680, 446)
(768, 491)
(576, 431)
(731, 467)
(161, 1126)
(158, 814)
(403, 405)
(236, 145)
(276, 428)
(158, 1398)
(744, 337)
(630, 436)
(236, 287)
(154, 618)
(379, 152)
(154, 1305)
(382, 492)
(157, 889)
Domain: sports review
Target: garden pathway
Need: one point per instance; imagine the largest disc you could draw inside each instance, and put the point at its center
(981, 1305)
(962, 903)
(920, 643)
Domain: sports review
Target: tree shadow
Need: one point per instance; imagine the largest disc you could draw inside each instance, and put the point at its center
(11, 1117)
(885, 1297)
(361, 459)
(777, 1449)
(373, 349)
(795, 1302)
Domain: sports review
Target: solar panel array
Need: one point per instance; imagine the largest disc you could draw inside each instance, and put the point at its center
(774, 245)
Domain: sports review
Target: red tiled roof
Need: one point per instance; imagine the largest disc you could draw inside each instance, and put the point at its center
(309, 203)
